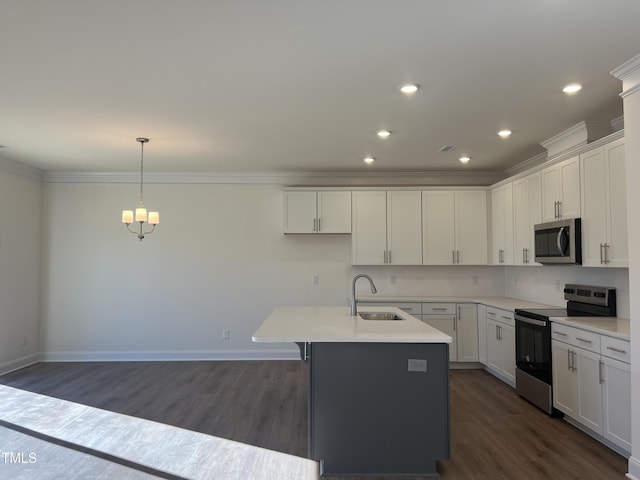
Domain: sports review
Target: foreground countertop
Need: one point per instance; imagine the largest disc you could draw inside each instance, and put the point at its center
(141, 445)
(335, 324)
(611, 326)
(506, 303)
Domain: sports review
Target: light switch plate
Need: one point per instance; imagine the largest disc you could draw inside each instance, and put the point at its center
(417, 365)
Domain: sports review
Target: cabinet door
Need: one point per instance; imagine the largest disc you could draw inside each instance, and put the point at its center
(587, 366)
(467, 332)
(527, 212)
(570, 188)
(482, 334)
(594, 207)
(404, 227)
(617, 252)
(502, 224)
(299, 213)
(334, 212)
(438, 228)
(471, 227)
(565, 381)
(494, 352)
(550, 177)
(508, 348)
(446, 324)
(369, 235)
(616, 393)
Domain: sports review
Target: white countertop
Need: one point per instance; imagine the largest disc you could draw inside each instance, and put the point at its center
(506, 303)
(178, 452)
(335, 324)
(611, 326)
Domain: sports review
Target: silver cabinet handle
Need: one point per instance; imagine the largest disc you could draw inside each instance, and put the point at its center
(384, 254)
(606, 253)
(601, 254)
(439, 309)
(506, 317)
(560, 333)
(600, 374)
(568, 359)
(497, 336)
(559, 208)
(389, 255)
(499, 332)
(493, 314)
(583, 340)
(555, 209)
(453, 256)
(457, 256)
(616, 350)
(315, 225)
(501, 256)
(573, 361)
(319, 228)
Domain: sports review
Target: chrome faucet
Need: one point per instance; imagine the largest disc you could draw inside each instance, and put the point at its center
(354, 309)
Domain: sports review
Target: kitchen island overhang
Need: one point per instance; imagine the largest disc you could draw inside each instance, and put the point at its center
(378, 389)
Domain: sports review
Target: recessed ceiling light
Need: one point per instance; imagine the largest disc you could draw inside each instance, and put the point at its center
(464, 159)
(409, 88)
(383, 133)
(369, 160)
(572, 88)
(504, 133)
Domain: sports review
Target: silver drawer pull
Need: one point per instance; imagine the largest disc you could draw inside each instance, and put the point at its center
(439, 309)
(491, 313)
(584, 340)
(616, 350)
(560, 333)
(506, 318)
(408, 309)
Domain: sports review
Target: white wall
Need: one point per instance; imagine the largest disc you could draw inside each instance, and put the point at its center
(20, 237)
(217, 261)
(545, 284)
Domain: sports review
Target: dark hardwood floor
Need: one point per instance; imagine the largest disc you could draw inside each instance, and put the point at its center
(495, 434)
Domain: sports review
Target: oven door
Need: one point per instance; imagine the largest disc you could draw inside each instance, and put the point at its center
(533, 347)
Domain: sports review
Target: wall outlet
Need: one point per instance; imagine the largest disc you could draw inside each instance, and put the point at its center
(225, 334)
(417, 365)
(316, 279)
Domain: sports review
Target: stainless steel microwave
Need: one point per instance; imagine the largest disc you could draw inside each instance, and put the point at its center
(558, 242)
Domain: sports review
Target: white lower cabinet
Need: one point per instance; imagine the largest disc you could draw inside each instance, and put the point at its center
(460, 322)
(501, 344)
(590, 387)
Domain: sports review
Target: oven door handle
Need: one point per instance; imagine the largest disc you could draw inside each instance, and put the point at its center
(532, 321)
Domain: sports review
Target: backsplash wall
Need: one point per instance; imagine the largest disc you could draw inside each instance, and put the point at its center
(545, 284)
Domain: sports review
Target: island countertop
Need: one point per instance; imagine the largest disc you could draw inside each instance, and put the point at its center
(335, 324)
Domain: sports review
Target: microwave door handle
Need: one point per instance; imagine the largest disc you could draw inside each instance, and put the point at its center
(559, 241)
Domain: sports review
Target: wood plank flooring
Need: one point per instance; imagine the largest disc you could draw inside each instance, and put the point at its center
(495, 434)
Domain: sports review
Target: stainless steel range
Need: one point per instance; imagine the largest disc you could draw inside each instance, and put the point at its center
(533, 339)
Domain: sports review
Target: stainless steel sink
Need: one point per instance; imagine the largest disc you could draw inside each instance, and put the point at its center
(380, 316)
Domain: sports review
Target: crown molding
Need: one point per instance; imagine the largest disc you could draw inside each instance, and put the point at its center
(20, 169)
(576, 136)
(286, 178)
(629, 73)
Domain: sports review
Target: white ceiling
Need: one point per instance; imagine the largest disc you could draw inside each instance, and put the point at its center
(302, 85)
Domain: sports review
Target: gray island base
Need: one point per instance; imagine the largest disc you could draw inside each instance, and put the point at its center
(369, 414)
(378, 390)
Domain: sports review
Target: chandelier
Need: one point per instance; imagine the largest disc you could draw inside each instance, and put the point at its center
(153, 218)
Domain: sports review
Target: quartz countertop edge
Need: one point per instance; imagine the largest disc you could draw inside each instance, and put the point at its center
(335, 324)
(611, 326)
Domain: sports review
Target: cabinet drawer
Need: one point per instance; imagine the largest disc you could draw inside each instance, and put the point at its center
(412, 308)
(500, 315)
(576, 337)
(615, 348)
(438, 308)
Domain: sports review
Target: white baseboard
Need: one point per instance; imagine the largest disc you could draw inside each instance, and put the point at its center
(634, 468)
(174, 356)
(19, 363)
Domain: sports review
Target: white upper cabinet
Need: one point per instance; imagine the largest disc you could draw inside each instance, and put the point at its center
(527, 212)
(438, 225)
(502, 225)
(471, 227)
(316, 211)
(387, 228)
(604, 206)
(561, 190)
(454, 227)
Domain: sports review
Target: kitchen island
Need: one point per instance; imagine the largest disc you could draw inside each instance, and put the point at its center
(378, 389)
